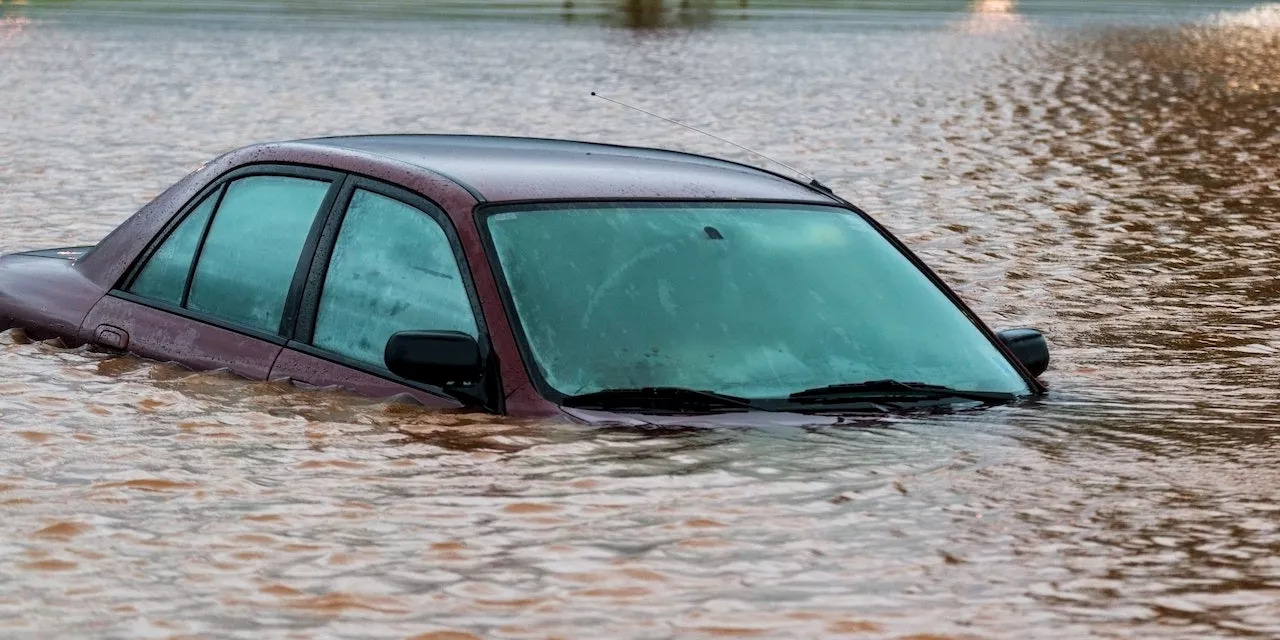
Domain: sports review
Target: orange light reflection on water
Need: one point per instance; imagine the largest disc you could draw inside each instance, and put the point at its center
(991, 16)
(11, 26)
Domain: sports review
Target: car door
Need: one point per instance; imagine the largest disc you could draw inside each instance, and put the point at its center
(387, 261)
(218, 288)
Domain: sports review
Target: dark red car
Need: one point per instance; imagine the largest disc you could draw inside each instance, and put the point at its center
(527, 277)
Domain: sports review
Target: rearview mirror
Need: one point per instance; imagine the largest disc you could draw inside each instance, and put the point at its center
(1029, 347)
(439, 358)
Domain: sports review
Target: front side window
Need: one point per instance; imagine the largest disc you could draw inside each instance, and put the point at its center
(165, 275)
(393, 269)
(249, 257)
(757, 301)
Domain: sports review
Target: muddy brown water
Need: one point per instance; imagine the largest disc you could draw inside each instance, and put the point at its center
(1110, 179)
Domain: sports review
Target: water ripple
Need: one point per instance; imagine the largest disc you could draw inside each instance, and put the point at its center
(1113, 185)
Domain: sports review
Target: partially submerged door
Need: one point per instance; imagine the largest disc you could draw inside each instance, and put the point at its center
(387, 261)
(216, 289)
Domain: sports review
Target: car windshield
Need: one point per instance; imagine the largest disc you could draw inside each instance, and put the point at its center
(753, 300)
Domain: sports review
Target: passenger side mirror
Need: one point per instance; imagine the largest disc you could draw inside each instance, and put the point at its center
(1029, 347)
(439, 358)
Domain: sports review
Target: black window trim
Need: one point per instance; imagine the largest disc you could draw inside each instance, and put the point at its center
(195, 256)
(336, 181)
(484, 210)
(308, 303)
(214, 190)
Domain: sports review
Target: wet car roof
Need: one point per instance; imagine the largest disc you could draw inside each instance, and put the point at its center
(498, 169)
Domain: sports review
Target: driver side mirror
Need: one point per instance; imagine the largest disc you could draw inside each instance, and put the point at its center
(1029, 347)
(439, 358)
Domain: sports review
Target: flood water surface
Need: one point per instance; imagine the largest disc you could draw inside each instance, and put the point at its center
(1113, 180)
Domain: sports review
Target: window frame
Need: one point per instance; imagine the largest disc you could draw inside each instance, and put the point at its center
(483, 211)
(308, 305)
(218, 186)
(216, 191)
(303, 301)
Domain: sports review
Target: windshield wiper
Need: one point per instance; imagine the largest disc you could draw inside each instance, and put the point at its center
(888, 390)
(659, 398)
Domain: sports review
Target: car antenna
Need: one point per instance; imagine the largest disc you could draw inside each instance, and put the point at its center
(813, 182)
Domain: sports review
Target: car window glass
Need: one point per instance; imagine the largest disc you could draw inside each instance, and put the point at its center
(251, 253)
(165, 275)
(392, 270)
(753, 300)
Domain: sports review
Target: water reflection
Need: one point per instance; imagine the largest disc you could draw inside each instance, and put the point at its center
(993, 16)
(1177, 132)
(12, 24)
(656, 14)
(1166, 142)
(1114, 186)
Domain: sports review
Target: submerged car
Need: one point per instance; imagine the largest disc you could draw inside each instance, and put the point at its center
(527, 277)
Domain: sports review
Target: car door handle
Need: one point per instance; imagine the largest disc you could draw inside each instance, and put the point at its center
(112, 337)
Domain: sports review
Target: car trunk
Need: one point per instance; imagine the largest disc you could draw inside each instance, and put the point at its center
(63, 253)
(41, 292)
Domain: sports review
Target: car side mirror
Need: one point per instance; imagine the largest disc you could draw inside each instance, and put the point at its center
(438, 358)
(1029, 347)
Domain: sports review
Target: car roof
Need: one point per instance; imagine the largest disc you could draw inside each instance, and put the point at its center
(504, 169)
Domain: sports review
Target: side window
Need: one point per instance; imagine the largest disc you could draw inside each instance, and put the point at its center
(251, 252)
(165, 274)
(392, 270)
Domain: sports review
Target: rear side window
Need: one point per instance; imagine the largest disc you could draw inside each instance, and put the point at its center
(249, 257)
(165, 275)
(393, 269)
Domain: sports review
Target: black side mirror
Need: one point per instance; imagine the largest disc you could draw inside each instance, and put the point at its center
(1029, 347)
(439, 358)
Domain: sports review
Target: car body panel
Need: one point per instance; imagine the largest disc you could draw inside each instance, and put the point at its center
(106, 264)
(161, 335)
(63, 253)
(71, 293)
(46, 296)
(311, 371)
(500, 169)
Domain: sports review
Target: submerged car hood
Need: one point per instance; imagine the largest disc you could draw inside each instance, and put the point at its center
(708, 420)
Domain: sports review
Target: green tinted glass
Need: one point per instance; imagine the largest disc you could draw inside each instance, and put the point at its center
(756, 301)
(249, 258)
(165, 275)
(392, 270)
